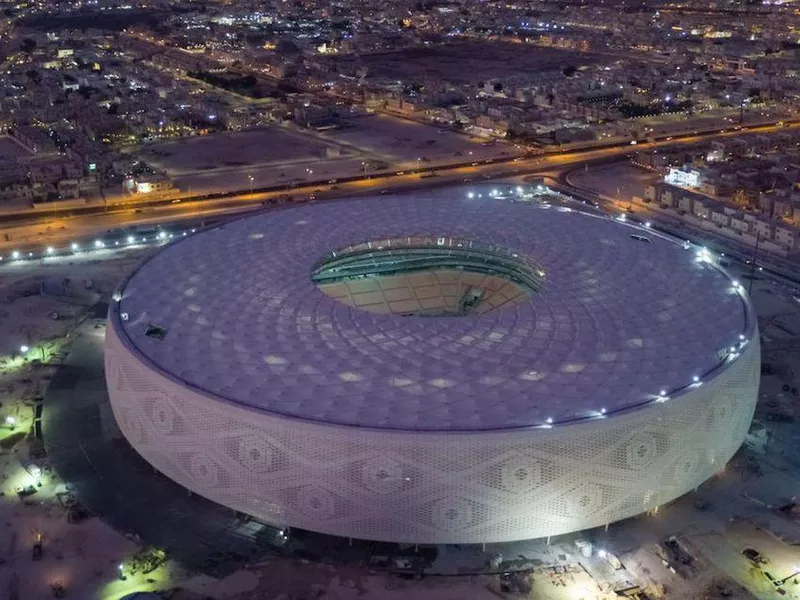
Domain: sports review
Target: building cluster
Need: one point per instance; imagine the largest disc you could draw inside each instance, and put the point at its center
(746, 188)
(552, 76)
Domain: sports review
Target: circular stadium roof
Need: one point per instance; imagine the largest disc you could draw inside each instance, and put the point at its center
(619, 314)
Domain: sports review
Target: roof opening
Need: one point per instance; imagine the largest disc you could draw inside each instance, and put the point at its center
(429, 276)
(155, 331)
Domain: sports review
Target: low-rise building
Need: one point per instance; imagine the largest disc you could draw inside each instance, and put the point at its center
(739, 223)
(787, 236)
(685, 203)
(720, 218)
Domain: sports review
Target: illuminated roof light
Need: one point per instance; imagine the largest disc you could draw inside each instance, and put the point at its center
(116, 243)
(696, 378)
(50, 250)
(662, 393)
(601, 553)
(74, 246)
(741, 336)
(30, 254)
(471, 195)
(647, 224)
(98, 244)
(549, 420)
(602, 411)
(131, 239)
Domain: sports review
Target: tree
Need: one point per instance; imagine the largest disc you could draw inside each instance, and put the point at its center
(28, 45)
(740, 198)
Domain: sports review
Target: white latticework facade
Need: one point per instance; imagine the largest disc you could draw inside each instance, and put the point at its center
(427, 486)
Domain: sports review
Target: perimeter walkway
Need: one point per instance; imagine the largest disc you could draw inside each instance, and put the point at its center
(88, 451)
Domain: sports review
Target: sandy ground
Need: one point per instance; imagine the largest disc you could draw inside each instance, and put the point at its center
(465, 62)
(620, 180)
(404, 142)
(278, 156)
(11, 150)
(239, 149)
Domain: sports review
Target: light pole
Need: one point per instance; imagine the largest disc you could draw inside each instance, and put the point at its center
(785, 579)
(251, 178)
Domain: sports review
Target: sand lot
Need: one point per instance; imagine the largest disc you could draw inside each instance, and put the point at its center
(470, 62)
(234, 149)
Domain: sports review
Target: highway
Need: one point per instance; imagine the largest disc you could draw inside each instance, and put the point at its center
(36, 229)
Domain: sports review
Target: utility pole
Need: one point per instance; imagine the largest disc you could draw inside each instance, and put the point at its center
(753, 264)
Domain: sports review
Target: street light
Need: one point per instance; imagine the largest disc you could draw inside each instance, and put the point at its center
(251, 178)
(23, 349)
(785, 579)
(10, 422)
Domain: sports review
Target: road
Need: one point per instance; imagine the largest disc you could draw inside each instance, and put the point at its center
(785, 268)
(32, 231)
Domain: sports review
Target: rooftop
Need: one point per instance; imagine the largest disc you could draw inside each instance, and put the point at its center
(604, 317)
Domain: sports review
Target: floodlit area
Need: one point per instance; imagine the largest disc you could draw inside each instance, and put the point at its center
(735, 537)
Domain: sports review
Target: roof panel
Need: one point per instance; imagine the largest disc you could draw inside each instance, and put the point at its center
(615, 322)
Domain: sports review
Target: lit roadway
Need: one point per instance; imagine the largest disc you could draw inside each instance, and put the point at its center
(35, 229)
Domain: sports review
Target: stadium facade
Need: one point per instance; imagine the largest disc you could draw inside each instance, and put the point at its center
(433, 369)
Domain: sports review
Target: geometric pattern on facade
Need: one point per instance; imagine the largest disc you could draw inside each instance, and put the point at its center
(431, 487)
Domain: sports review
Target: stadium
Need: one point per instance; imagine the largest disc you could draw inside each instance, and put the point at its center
(449, 368)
